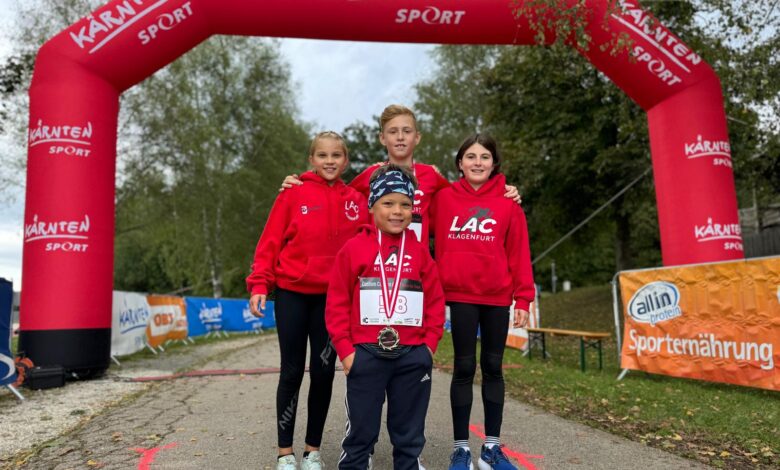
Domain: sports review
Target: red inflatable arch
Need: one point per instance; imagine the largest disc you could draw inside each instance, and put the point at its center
(80, 73)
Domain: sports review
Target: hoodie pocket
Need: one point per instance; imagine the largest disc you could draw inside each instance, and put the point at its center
(317, 271)
(474, 273)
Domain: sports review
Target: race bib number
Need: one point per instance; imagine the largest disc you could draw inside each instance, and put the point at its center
(408, 307)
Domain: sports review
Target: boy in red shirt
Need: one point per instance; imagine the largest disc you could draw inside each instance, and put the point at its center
(400, 136)
(386, 269)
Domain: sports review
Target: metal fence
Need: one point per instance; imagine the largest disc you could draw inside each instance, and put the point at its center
(763, 243)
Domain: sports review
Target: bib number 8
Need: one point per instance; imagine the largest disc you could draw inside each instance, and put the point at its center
(400, 304)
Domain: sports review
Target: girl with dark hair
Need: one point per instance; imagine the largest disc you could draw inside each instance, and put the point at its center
(483, 255)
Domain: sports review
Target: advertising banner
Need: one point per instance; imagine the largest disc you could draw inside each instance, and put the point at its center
(237, 317)
(205, 315)
(518, 337)
(718, 322)
(168, 319)
(7, 367)
(131, 313)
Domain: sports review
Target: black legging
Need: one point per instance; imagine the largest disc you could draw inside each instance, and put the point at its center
(493, 323)
(298, 317)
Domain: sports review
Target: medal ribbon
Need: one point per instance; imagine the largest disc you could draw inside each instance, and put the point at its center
(390, 297)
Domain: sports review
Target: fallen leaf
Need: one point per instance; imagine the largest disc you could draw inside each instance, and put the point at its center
(677, 437)
(725, 453)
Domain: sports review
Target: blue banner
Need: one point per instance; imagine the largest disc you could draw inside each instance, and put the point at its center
(7, 367)
(205, 315)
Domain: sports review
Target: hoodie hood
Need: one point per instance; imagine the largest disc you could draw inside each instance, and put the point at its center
(315, 178)
(370, 231)
(495, 186)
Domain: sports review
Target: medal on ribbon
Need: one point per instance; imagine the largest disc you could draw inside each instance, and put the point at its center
(388, 337)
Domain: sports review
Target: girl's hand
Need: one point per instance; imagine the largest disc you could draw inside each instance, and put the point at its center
(521, 318)
(290, 181)
(347, 363)
(253, 305)
(512, 193)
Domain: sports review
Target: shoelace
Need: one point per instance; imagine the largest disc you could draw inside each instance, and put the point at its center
(460, 456)
(498, 454)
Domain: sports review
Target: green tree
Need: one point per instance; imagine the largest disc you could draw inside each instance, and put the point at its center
(216, 132)
(571, 139)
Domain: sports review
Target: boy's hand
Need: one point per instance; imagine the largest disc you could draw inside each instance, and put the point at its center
(347, 363)
(253, 305)
(290, 181)
(511, 193)
(521, 318)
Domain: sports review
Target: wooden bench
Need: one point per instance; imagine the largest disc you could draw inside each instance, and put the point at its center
(588, 339)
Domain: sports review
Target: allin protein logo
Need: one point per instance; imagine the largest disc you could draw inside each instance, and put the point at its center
(655, 302)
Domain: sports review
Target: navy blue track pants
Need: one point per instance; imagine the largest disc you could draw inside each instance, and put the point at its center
(407, 382)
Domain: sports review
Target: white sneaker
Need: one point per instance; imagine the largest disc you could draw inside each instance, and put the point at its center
(313, 461)
(286, 463)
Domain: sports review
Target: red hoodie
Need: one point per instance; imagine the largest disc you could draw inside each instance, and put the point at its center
(429, 182)
(307, 226)
(482, 245)
(358, 259)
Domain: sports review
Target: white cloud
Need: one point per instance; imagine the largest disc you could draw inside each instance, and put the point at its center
(341, 82)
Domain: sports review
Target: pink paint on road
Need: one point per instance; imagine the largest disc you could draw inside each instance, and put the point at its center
(148, 455)
(522, 459)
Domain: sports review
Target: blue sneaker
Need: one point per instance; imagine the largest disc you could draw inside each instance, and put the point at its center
(494, 459)
(461, 460)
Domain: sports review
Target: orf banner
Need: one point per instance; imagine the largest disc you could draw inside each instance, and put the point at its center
(7, 367)
(130, 312)
(718, 322)
(168, 319)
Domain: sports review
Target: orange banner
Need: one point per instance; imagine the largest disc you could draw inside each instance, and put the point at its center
(168, 319)
(518, 337)
(718, 322)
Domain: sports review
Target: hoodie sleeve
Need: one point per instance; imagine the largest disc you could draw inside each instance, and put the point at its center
(441, 181)
(262, 278)
(518, 253)
(368, 218)
(360, 183)
(338, 306)
(433, 299)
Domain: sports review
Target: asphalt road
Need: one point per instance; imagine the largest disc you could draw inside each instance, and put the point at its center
(228, 422)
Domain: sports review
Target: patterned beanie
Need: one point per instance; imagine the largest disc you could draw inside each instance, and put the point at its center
(393, 181)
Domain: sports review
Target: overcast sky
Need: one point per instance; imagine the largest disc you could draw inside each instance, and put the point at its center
(337, 83)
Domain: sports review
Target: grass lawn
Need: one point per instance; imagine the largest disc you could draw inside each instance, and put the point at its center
(722, 425)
